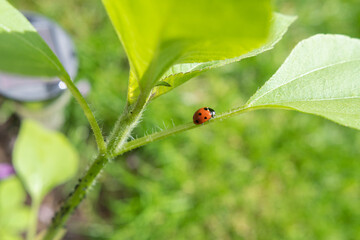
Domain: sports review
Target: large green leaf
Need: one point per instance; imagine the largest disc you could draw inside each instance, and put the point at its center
(14, 215)
(180, 73)
(321, 76)
(43, 159)
(22, 50)
(158, 34)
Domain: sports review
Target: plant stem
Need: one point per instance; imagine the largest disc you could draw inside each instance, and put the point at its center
(31, 233)
(88, 113)
(187, 126)
(125, 124)
(74, 198)
(116, 146)
(119, 136)
(154, 137)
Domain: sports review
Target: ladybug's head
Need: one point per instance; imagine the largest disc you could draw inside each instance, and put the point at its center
(212, 111)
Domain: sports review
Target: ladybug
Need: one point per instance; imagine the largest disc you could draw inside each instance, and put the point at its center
(203, 115)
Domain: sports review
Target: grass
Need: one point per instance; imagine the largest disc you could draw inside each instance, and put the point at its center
(262, 175)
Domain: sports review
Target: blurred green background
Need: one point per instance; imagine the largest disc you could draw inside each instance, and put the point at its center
(263, 175)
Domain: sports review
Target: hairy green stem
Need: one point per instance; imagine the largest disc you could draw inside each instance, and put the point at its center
(88, 113)
(122, 129)
(119, 136)
(155, 136)
(31, 233)
(74, 198)
(187, 126)
(125, 124)
(181, 128)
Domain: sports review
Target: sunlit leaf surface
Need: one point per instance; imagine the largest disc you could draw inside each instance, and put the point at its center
(321, 76)
(180, 73)
(159, 34)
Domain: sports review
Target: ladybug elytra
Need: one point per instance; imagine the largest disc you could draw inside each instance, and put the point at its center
(203, 115)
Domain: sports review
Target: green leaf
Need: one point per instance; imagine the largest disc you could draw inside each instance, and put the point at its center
(14, 214)
(22, 50)
(321, 76)
(180, 73)
(158, 34)
(43, 159)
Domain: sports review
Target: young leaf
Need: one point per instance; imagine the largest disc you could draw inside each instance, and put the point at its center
(22, 50)
(43, 159)
(158, 34)
(321, 76)
(180, 73)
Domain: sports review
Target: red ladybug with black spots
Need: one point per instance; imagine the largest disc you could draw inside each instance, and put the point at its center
(203, 115)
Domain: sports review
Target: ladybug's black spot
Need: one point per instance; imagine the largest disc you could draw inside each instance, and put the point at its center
(199, 114)
(205, 117)
(197, 121)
